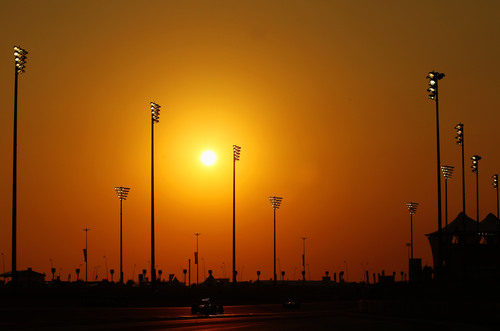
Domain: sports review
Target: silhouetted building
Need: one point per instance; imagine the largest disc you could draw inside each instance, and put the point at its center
(26, 276)
(470, 250)
(415, 270)
(386, 279)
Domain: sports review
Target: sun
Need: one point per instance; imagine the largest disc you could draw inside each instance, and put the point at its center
(208, 158)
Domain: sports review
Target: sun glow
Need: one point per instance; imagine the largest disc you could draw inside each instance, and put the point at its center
(208, 158)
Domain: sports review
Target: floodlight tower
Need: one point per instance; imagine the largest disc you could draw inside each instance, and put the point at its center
(495, 186)
(412, 208)
(19, 66)
(122, 193)
(475, 169)
(447, 173)
(275, 203)
(434, 77)
(236, 157)
(460, 141)
(155, 118)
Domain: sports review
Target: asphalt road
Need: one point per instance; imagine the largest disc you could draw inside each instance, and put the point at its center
(314, 316)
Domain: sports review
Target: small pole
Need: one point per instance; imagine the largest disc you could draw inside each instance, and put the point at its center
(304, 258)
(86, 254)
(411, 236)
(196, 261)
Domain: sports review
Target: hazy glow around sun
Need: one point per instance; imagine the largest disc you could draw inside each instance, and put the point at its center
(208, 158)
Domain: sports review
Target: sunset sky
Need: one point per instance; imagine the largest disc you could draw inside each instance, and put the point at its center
(326, 98)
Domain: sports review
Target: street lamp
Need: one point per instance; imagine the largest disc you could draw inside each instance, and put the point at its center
(475, 169)
(155, 118)
(275, 203)
(236, 157)
(495, 186)
(412, 208)
(447, 173)
(122, 193)
(434, 77)
(460, 141)
(19, 66)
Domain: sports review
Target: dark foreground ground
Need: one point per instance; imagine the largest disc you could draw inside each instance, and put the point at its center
(311, 316)
(328, 306)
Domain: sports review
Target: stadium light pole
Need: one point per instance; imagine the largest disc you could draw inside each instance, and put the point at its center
(460, 141)
(434, 77)
(19, 66)
(236, 157)
(447, 174)
(275, 203)
(122, 193)
(155, 118)
(475, 169)
(495, 186)
(412, 208)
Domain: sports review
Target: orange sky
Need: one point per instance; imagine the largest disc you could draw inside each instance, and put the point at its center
(326, 98)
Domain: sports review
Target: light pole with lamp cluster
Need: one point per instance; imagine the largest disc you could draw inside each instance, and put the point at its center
(495, 186)
(275, 203)
(122, 193)
(236, 157)
(434, 78)
(460, 141)
(155, 118)
(475, 169)
(19, 66)
(447, 173)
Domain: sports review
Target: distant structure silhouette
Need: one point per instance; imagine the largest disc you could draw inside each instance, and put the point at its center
(25, 277)
(470, 248)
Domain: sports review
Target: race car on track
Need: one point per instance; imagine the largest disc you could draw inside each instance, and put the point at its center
(207, 306)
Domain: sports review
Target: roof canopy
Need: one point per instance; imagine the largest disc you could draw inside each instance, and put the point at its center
(463, 223)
